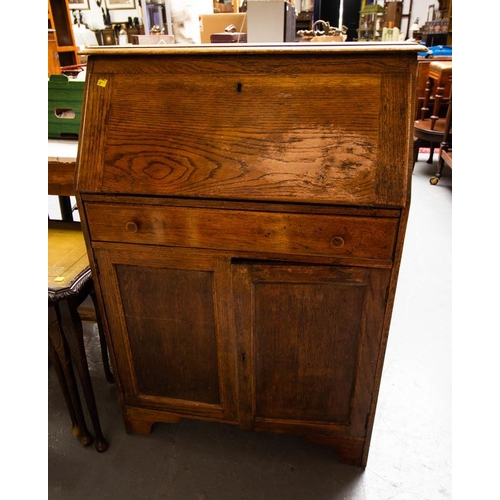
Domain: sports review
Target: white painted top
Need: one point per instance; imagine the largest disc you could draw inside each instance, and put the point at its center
(62, 150)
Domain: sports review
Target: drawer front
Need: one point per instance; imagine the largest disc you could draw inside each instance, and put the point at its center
(272, 232)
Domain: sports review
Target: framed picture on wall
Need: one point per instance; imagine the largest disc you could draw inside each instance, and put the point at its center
(78, 4)
(120, 4)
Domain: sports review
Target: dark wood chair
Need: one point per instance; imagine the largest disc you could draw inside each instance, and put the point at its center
(430, 124)
(445, 148)
(423, 71)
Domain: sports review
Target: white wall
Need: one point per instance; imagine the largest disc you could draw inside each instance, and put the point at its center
(420, 10)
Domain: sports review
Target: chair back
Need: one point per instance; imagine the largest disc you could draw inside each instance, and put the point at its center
(437, 93)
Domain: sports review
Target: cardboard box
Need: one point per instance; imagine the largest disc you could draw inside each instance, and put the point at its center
(217, 23)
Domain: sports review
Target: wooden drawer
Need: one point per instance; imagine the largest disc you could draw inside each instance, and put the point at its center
(240, 230)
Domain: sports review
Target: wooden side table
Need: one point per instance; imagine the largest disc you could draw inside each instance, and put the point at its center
(61, 173)
(69, 283)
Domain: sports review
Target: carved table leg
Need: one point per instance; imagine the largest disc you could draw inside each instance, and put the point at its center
(75, 430)
(427, 95)
(73, 330)
(62, 364)
(102, 338)
(438, 99)
(444, 147)
(416, 148)
(431, 154)
(438, 173)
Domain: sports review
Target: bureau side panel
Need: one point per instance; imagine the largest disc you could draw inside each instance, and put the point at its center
(92, 144)
(395, 135)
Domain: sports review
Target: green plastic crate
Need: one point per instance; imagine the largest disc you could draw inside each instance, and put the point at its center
(65, 106)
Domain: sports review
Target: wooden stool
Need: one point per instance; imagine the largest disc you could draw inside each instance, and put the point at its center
(69, 284)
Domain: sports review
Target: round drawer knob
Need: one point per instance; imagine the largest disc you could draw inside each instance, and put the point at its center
(131, 227)
(337, 241)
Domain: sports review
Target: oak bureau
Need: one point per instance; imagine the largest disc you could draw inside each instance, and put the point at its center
(244, 210)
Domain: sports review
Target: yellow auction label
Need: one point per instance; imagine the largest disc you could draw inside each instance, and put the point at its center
(102, 82)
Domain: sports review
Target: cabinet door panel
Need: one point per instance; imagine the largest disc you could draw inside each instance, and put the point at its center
(172, 349)
(306, 336)
(171, 331)
(312, 337)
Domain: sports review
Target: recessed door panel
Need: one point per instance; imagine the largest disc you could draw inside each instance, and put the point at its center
(310, 340)
(171, 330)
(306, 342)
(174, 343)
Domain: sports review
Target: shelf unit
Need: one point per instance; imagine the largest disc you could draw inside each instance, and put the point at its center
(59, 20)
(371, 22)
(448, 38)
(393, 14)
(54, 66)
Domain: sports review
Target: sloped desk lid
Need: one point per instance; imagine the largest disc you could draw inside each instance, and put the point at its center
(306, 122)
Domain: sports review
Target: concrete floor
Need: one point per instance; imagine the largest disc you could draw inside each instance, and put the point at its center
(410, 453)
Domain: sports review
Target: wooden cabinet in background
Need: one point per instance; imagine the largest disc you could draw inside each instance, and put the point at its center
(54, 66)
(393, 14)
(304, 20)
(59, 20)
(371, 23)
(245, 243)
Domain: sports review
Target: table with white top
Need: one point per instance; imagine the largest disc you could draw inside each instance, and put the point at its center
(61, 173)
